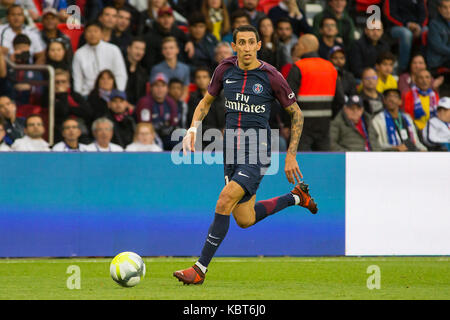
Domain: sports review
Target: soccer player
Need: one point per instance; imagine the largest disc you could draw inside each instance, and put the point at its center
(250, 86)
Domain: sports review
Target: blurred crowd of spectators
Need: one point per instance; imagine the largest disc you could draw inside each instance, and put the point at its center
(133, 71)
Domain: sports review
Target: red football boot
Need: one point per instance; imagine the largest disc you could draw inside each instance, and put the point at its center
(192, 275)
(302, 191)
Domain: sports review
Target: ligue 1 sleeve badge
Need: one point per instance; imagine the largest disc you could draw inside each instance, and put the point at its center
(258, 88)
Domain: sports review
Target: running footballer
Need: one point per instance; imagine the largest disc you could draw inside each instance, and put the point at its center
(250, 86)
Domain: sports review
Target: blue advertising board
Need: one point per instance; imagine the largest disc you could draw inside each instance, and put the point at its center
(99, 204)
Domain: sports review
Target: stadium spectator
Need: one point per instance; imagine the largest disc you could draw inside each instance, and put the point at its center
(144, 139)
(159, 109)
(328, 36)
(108, 20)
(288, 9)
(352, 130)
(69, 104)
(176, 88)
(34, 131)
(338, 59)
(149, 15)
(345, 24)
(395, 129)
(250, 6)
(16, 25)
(14, 126)
(271, 51)
(438, 50)
(372, 99)
(317, 97)
(102, 129)
(99, 96)
(407, 79)
(131, 19)
(408, 20)
(17, 83)
(436, 134)
(50, 30)
(137, 74)
(385, 66)
(286, 37)
(217, 17)
(57, 56)
(4, 6)
(216, 115)
(60, 7)
(119, 114)
(96, 55)
(204, 42)
(171, 67)
(164, 27)
(364, 51)
(222, 51)
(421, 101)
(70, 133)
(238, 18)
(346, 81)
(3, 145)
(122, 31)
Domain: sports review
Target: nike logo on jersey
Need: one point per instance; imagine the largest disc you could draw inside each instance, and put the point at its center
(241, 174)
(229, 81)
(213, 237)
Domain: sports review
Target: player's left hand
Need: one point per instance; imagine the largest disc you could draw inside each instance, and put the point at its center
(292, 169)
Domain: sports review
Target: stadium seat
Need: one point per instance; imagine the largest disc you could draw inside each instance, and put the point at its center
(265, 5)
(362, 5)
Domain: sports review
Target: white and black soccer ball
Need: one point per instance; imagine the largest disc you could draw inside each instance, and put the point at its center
(127, 269)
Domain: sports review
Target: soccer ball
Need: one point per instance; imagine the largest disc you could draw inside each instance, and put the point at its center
(127, 269)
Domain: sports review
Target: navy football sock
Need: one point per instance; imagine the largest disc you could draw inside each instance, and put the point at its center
(216, 233)
(265, 208)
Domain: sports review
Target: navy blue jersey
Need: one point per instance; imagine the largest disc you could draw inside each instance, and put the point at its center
(249, 94)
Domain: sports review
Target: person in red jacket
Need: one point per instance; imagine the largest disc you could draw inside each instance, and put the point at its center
(421, 101)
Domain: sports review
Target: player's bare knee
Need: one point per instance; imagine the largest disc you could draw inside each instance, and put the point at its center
(225, 203)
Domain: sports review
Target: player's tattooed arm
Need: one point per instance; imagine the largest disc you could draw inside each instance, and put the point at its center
(202, 109)
(296, 127)
(291, 167)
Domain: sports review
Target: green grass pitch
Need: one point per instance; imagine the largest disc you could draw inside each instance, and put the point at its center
(283, 278)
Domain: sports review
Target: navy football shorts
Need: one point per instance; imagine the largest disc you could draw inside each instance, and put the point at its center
(248, 176)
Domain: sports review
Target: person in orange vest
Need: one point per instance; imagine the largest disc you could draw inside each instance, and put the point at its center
(314, 81)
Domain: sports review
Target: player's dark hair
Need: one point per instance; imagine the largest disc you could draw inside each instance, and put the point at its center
(246, 28)
(385, 56)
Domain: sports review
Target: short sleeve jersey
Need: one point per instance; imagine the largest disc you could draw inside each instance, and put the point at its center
(249, 94)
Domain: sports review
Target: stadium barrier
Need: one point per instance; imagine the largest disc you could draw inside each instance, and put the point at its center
(98, 204)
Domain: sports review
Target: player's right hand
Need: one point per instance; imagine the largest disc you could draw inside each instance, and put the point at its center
(189, 141)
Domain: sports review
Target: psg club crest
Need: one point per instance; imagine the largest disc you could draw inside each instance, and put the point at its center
(258, 88)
